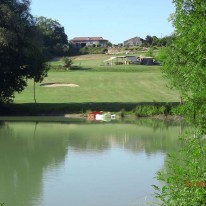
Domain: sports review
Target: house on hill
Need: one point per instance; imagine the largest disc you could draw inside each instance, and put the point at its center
(79, 42)
(136, 41)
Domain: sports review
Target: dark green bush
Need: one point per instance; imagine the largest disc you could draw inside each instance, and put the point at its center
(150, 110)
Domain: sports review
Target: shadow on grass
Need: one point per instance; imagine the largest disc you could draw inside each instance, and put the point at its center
(59, 109)
(61, 68)
(79, 68)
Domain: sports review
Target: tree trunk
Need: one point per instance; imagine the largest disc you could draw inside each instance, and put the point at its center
(34, 91)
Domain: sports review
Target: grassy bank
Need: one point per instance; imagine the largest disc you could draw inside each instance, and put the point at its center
(114, 88)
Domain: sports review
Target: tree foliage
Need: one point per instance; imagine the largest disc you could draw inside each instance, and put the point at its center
(21, 56)
(67, 62)
(54, 38)
(184, 175)
(166, 40)
(155, 41)
(148, 40)
(185, 62)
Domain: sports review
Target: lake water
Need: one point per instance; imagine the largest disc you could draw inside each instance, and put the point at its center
(82, 164)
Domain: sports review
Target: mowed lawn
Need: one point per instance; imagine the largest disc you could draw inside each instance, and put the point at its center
(144, 85)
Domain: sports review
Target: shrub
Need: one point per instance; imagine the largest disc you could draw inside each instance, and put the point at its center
(184, 177)
(67, 62)
(162, 55)
(150, 52)
(150, 110)
(122, 113)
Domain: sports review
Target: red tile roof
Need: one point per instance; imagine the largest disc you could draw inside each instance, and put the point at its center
(88, 39)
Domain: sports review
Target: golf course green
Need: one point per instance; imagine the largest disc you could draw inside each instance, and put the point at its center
(90, 80)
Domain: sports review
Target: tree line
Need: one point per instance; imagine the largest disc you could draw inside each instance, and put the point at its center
(26, 43)
(155, 41)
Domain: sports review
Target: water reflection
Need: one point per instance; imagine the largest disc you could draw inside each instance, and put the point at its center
(24, 156)
(31, 152)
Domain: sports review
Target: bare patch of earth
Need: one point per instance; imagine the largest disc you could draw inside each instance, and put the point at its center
(59, 84)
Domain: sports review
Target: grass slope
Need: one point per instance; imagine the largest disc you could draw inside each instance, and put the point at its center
(120, 83)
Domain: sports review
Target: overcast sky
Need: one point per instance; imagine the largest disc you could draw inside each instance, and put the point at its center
(114, 20)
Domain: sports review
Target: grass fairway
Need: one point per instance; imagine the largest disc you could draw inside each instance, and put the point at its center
(120, 83)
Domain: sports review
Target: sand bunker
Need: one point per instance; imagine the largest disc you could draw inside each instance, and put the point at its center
(58, 84)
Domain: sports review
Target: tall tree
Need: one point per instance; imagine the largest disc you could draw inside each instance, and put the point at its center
(21, 56)
(148, 40)
(185, 64)
(155, 41)
(54, 38)
(166, 40)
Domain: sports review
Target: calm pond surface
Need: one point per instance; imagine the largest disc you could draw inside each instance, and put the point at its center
(82, 164)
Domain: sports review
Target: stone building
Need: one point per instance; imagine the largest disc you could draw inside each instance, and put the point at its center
(136, 41)
(79, 42)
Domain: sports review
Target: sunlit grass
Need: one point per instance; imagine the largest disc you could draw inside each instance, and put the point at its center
(100, 83)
